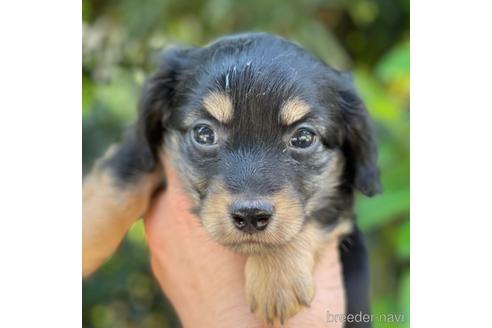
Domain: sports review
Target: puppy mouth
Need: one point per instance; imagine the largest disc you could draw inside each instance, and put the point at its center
(269, 238)
(249, 241)
(241, 238)
(252, 247)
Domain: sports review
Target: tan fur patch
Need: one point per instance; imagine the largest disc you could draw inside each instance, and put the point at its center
(109, 210)
(285, 224)
(186, 170)
(289, 216)
(280, 283)
(293, 110)
(330, 179)
(343, 227)
(215, 213)
(219, 105)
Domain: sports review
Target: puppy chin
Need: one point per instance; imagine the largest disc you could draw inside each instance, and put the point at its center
(255, 244)
(252, 247)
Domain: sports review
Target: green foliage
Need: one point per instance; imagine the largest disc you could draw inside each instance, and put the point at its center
(370, 37)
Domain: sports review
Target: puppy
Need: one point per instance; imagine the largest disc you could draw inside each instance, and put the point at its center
(270, 144)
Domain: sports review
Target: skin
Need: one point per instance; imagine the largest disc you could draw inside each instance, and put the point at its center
(205, 281)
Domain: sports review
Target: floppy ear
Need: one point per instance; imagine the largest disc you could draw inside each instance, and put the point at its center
(359, 140)
(138, 152)
(157, 99)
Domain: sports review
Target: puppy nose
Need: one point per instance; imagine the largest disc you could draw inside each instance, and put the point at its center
(251, 216)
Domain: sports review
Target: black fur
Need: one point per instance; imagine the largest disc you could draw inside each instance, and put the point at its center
(354, 257)
(132, 159)
(360, 145)
(138, 152)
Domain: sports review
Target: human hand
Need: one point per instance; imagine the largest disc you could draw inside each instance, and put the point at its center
(205, 281)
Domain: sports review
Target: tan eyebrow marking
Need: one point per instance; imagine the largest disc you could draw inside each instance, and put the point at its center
(219, 105)
(293, 110)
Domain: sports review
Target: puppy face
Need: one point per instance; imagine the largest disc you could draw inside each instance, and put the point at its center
(265, 137)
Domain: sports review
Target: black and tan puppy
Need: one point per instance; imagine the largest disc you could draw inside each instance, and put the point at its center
(271, 145)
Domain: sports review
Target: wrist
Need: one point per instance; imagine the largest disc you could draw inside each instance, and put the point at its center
(217, 312)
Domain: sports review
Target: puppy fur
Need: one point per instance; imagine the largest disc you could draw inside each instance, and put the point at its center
(110, 206)
(253, 93)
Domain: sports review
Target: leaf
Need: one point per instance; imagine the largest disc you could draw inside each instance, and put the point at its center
(323, 43)
(404, 297)
(87, 94)
(394, 70)
(395, 64)
(380, 103)
(402, 240)
(375, 212)
(119, 96)
(136, 233)
(382, 308)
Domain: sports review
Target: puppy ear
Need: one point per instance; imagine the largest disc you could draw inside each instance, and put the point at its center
(157, 99)
(359, 139)
(138, 151)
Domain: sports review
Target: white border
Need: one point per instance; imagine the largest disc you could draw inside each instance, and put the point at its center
(40, 174)
(450, 163)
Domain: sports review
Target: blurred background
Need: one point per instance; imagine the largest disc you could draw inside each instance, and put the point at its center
(370, 37)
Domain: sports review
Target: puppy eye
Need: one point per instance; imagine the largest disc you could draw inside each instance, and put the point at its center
(204, 135)
(302, 138)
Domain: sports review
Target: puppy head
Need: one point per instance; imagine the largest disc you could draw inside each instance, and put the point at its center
(264, 137)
